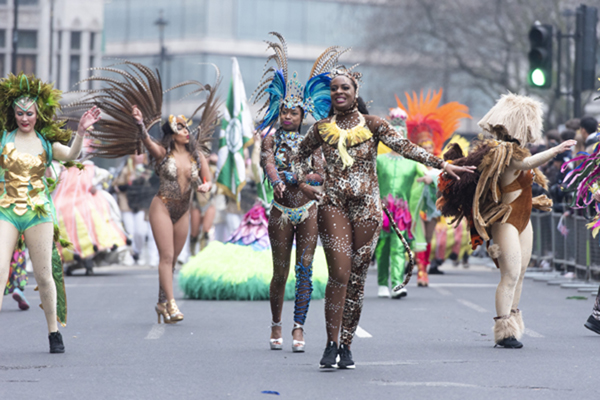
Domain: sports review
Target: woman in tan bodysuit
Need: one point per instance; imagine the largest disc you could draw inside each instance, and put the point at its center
(179, 171)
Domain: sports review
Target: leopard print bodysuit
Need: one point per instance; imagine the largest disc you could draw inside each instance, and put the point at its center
(350, 214)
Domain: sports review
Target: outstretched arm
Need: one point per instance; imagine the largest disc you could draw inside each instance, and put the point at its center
(155, 149)
(394, 140)
(542, 157)
(61, 152)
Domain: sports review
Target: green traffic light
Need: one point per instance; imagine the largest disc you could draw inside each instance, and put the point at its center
(538, 78)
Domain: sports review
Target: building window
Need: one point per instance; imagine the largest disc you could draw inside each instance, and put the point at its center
(90, 72)
(92, 40)
(74, 67)
(29, 2)
(75, 40)
(26, 63)
(59, 40)
(2, 64)
(2, 38)
(27, 39)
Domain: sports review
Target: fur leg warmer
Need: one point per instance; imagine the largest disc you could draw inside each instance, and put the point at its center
(518, 317)
(505, 327)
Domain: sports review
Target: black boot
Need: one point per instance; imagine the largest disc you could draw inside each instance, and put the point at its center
(345, 358)
(56, 343)
(593, 324)
(329, 356)
(509, 343)
(433, 267)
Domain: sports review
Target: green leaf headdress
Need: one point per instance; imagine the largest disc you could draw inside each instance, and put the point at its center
(24, 91)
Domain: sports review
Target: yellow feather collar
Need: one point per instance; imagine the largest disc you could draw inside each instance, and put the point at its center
(333, 134)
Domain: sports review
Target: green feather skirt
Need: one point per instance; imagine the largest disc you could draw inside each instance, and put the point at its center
(226, 271)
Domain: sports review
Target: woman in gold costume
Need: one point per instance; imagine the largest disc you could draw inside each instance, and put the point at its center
(31, 139)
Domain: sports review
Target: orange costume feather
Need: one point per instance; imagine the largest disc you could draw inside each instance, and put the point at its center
(427, 121)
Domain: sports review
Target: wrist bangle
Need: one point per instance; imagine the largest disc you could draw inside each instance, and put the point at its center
(444, 165)
(275, 183)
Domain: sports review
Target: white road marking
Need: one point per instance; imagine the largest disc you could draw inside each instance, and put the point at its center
(429, 384)
(463, 285)
(156, 332)
(472, 305)
(532, 333)
(443, 292)
(361, 333)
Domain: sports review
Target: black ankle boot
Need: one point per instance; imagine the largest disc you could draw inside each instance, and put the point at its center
(346, 361)
(509, 343)
(593, 324)
(56, 342)
(329, 356)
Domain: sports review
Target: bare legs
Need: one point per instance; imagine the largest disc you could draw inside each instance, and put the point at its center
(39, 242)
(7, 248)
(170, 239)
(514, 258)
(348, 247)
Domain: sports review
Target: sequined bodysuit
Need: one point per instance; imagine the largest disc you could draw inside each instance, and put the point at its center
(170, 192)
(355, 189)
(352, 201)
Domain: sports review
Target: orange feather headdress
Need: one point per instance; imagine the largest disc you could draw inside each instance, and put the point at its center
(429, 122)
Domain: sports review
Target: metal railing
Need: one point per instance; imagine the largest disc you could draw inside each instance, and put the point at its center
(572, 249)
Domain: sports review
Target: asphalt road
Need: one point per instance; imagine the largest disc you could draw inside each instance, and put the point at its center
(435, 343)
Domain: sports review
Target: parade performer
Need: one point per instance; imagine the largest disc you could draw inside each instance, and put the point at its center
(350, 209)
(497, 200)
(31, 139)
(293, 216)
(134, 105)
(585, 182)
(84, 218)
(17, 277)
(401, 192)
(429, 125)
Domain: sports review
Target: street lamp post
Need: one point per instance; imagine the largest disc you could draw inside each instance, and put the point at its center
(15, 36)
(161, 23)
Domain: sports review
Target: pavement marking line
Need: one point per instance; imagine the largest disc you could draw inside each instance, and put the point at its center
(443, 292)
(361, 333)
(472, 306)
(532, 333)
(156, 332)
(462, 285)
(429, 384)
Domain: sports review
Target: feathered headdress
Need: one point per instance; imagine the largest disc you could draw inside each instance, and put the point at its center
(519, 117)
(118, 135)
(210, 116)
(429, 122)
(25, 90)
(285, 91)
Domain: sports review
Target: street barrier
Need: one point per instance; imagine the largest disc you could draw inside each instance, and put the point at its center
(564, 243)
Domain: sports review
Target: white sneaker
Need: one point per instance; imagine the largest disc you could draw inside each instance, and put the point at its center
(384, 291)
(400, 293)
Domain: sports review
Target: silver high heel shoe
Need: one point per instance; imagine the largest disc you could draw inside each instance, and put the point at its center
(298, 345)
(276, 344)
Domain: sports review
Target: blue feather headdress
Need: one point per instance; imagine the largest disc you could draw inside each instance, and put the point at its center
(284, 91)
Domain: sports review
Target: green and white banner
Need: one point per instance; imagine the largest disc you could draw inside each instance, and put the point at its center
(236, 134)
